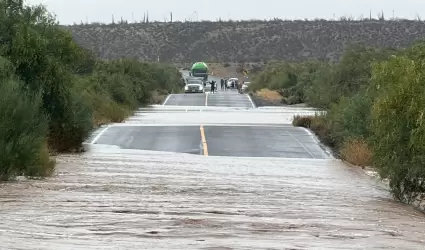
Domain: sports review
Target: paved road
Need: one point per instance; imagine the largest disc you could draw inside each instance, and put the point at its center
(186, 100)
(229, 98)
(217, 140)
(178, 177)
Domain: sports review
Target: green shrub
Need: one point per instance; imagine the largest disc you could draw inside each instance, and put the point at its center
(322, 92)
(23, 132)
(294, 99)
(375, 103)
(350, 118)
(69, 130)
(398, 126)
(54, 92)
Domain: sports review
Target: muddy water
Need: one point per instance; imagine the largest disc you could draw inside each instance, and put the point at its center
(123, 199)
(111, 198)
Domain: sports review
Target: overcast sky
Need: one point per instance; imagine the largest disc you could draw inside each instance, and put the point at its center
(70, 11)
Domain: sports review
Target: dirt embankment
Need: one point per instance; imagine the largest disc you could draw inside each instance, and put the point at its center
(247, 41)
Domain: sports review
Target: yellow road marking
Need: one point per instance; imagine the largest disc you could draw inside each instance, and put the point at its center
(206, 99)
(204, 141)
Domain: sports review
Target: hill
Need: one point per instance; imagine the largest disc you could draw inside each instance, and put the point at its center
(243, 41)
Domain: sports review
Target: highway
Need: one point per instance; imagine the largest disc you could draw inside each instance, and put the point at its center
(206, 171)
(227, 98)
(221, 140)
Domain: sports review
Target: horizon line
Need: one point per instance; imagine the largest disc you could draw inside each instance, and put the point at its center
(220, 20)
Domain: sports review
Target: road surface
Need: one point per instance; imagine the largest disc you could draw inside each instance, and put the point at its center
(228, 98)
(185, 175)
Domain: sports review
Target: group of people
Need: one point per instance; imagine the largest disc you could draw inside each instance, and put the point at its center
(223, 84)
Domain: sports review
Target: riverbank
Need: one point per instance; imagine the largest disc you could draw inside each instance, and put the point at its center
(374, 99)
(355, 153)
(54, 94)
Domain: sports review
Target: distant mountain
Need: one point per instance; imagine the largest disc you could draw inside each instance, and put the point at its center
(245, 41)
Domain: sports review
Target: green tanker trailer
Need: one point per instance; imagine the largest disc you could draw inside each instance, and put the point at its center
(199, 69)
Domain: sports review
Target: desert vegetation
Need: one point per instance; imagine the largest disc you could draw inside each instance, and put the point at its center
(243, 41)
(374, 103)
(54, 92)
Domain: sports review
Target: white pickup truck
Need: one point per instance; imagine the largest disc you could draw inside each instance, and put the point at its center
(194, 85)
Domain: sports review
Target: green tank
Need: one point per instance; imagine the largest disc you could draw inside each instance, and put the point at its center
(200, 69)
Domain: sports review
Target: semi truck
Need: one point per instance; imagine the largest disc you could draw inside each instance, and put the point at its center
(199, 69)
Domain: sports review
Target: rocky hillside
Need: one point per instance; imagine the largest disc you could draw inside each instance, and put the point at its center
(249, 41)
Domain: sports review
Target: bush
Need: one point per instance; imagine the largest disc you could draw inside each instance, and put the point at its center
(302, 121)
(374, 103)
(23, 130)
(293, 100)
(319, 124)
(54, 92)
(350, 118)
(320, 92)
(398, 126)
(357, 152)
(69, 130)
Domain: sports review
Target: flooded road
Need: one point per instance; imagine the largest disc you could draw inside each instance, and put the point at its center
(123, 195)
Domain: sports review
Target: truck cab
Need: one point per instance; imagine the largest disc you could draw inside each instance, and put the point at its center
(199, 69)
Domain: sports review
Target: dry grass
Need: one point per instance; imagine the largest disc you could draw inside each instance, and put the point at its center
(357, 152)
(269, 95)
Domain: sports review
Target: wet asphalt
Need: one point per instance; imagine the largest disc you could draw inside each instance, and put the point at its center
(217, 176)
(220, 140)
(216, 140)
(221, 98)
(180, 139)
(260, 141)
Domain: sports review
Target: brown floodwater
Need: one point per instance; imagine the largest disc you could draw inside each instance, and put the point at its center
(111, 198)
(127, 199)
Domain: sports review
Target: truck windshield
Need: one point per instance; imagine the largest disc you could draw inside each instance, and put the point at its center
(199, 71)
(194, 82)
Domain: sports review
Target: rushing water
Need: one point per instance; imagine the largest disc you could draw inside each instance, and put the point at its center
(110, 198)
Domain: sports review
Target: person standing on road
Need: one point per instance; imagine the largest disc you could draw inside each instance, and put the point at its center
(222, 83)
(212, 86)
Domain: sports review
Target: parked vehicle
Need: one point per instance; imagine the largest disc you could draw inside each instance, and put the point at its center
(194, 80)
(194, 85)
